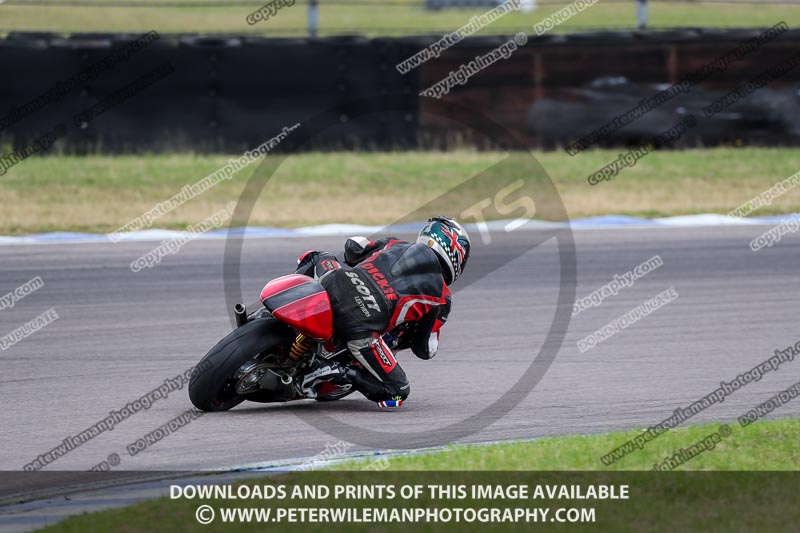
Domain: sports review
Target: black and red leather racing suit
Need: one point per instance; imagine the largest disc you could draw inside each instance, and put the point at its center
(384, 284)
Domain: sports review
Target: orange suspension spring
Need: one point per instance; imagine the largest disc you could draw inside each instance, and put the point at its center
(301, 345)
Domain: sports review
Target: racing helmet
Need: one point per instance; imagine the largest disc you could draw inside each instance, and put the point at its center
(450, 241)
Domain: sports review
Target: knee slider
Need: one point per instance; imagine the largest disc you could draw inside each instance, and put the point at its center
(398, 391)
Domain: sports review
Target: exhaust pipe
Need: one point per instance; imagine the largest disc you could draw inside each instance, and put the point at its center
(286, 379)
(240, 314)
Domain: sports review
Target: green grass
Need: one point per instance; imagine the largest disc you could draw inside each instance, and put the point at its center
(687, 501)
(770, 445)
(403, 17)
(101, 193)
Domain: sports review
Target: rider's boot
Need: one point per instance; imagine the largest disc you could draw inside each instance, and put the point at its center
(322, 372)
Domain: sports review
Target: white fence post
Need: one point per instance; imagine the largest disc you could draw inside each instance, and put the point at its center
(641, 14)
(313, 18)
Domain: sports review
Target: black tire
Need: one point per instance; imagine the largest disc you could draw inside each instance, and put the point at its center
(211, 387)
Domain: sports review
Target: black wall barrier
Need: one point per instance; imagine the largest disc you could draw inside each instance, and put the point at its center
(212, 93)
(224, 93)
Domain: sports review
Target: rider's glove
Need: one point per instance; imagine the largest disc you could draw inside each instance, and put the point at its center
(355, 249)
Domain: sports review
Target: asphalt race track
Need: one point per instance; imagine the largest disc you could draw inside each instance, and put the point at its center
(121, 334)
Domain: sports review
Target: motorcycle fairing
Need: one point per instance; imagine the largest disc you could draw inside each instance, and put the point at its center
(302, 303)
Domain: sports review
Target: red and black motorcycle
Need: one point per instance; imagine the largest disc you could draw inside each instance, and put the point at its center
(270, 352)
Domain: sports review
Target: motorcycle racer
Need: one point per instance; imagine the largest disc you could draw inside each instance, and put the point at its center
(385, 284)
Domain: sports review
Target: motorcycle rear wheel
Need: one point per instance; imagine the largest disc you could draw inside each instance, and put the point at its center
(213, 387)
